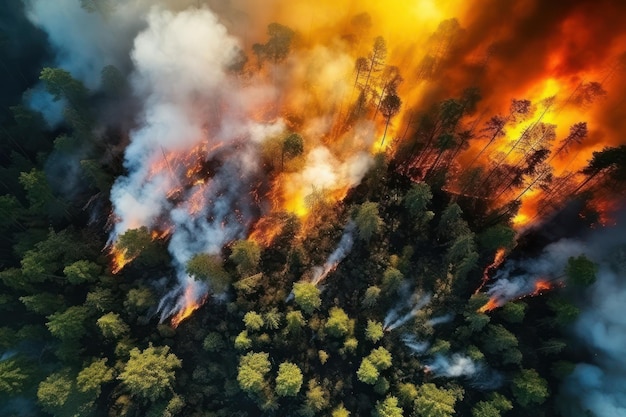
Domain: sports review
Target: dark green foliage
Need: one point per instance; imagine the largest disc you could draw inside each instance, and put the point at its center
(581, 271)
(529, 388)
(368, 220)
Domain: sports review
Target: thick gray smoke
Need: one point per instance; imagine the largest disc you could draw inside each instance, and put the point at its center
(517, 278)
(599, 386)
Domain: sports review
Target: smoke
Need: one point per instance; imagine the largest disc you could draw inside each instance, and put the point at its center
(599, 385)
(418, 347)
(342, 250)
(452, 367)
(398, 315)
(440, 320)
(518, 278)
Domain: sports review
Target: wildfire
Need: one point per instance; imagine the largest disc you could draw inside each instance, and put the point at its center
(119, 259)
(190, 304)
(540, 287)
(497, 261)
(491, 304)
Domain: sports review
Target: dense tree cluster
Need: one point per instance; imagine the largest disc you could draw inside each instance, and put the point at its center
(81, 340)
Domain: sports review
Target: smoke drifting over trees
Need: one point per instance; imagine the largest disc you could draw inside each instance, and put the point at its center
(311, 208)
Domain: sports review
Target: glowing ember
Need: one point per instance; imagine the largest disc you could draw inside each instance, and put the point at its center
(191, 304)
(497, 261)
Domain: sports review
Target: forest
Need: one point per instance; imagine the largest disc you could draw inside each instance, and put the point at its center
(252, 208)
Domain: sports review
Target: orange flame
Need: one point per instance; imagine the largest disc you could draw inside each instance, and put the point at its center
(191, 304)
(491, 304)
(497, 261)
(119, 259)
(540, 287)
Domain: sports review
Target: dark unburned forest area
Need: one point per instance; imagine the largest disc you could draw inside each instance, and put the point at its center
(253, 208)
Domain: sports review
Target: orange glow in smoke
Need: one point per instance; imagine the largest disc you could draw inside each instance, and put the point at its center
(191, 305)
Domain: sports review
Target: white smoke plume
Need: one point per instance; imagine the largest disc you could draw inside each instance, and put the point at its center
(416, 346)
(342, 250)
(398, 316)
(447, 318)
(598, 387)
(479, 375)
(518, 278)
(193, 161)
(181, 62)
(452, 367)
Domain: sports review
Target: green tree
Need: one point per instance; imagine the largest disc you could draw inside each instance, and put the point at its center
(288, 380)
(38, 191)
(338, 323)
(138, 244)
(13, 376)
(149, 374)
(374, 331)
(436, 402)
(277, 47)
(60, 84)
(69, 324)
(252, 370)
(380, 358)
(529, 388)
(367, 220)
(54, 391)
(581, 271)
(273, 319)
(340, 411)
(93, 376)
(388, 408)
(451, 224)
(418, 198)
(112, 326)
(367, 372)
(392, 278)
(82, 271)
(514, 312)
(208, 268)
(496, 237)
(307, 296)
(243, 341)
(43, 303)
(253, 321)
(317, 398)
(213, 342)
(139, 300)
(295, 322)
(565, 312)
(371, 296)
(246, 255)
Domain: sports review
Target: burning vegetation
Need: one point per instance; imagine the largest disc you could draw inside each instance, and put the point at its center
(318, 207)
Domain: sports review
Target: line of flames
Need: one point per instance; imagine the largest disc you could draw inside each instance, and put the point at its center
(540, 286)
